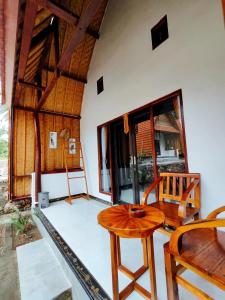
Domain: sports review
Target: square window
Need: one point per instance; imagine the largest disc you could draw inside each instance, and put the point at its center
(100, 85)
(159, 32)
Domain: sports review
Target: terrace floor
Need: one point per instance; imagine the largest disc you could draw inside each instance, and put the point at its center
(77, 224)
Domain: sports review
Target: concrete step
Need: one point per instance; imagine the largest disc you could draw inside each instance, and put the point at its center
(40, 274)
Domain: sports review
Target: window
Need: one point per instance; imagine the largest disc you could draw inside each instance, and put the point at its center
(159, 33)
(104, 159)
(100, 85)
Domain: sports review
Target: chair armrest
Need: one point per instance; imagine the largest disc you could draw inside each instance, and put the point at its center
(175, 240)
(184, 198)
(149, 189)
(216, 212)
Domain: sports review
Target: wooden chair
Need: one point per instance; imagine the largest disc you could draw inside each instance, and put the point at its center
(199, 247)
(178, 196)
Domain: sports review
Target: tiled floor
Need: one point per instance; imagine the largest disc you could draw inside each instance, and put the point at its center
(41, 276)
(77, 224)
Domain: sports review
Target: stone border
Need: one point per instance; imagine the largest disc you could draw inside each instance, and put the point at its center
(86, 279)
(81, 195)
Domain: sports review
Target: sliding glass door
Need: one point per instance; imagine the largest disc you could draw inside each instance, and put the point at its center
(142, 150)
(155, 142)
(133, 157)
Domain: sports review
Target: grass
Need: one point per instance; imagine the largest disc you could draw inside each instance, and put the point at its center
(3, 149)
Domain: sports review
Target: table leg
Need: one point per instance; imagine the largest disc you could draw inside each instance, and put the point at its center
(114, 264)
(145, 252)
(151, 263)
(118, 251)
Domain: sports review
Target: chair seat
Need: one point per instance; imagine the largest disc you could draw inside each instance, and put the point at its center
(170, 211)
(204, 249)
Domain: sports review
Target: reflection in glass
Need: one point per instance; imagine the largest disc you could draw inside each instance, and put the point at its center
(145, 166)
(168, 136)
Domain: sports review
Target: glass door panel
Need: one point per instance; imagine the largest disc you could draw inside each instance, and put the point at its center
(122, 164)
(143, 156)
(169, 146)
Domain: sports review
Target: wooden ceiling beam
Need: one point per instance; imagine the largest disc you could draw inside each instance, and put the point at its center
(47, 112)
(77, 37)
(27, 31)
(66, 15)
(32, 85)
(79, 32)
(28, 25)
(66, 75)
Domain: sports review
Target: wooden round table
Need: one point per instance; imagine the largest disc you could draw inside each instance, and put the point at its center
(120, 223)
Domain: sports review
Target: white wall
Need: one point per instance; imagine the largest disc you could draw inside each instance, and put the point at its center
(193, 59)
(56, 185)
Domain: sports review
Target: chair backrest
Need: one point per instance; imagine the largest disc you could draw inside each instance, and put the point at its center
(176, 186)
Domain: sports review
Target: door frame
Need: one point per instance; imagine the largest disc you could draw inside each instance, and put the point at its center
(149, 105)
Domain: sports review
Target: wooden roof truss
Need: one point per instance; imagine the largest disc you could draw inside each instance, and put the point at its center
(36, 45)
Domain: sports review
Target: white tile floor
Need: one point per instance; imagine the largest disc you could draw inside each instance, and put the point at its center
(77, 224)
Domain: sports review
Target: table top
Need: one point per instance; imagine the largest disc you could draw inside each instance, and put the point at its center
(117, 219)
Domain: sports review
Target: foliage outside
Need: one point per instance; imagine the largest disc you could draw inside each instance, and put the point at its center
(3, 133)
(21, 222)
(3, 146)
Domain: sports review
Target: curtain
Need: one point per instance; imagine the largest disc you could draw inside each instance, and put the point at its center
(105, 170)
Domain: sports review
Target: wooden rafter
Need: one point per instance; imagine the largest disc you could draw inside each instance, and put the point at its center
(29, 21)
(28, 25)
(66, 15)
(77, 37)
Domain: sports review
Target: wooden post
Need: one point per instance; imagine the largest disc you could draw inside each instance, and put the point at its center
(11, 139)
(223, 5)
(37, 156)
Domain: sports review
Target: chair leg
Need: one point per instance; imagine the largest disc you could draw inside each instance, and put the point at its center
(196, 217)
(170, 268)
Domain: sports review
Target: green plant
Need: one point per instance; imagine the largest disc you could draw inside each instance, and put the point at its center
(3, 150)
(22, 223)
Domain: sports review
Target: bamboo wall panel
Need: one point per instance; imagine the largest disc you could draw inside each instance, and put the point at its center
(66, 96)
(23, 143)
(52, 159)
(24, 147)
(22, 186)
(23, 152)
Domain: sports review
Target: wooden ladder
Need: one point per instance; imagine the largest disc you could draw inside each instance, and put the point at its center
(81, 157)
